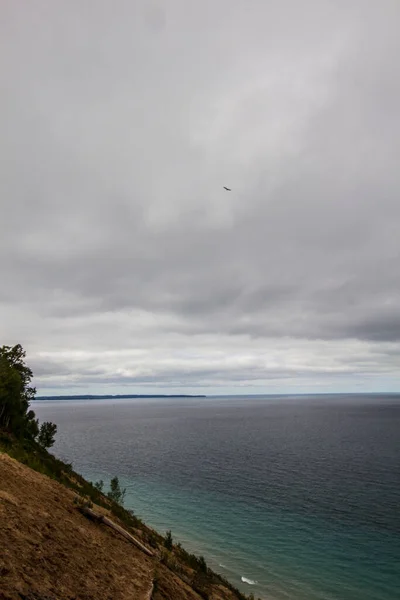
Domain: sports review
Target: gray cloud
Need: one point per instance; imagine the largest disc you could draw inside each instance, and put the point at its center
(120, 125)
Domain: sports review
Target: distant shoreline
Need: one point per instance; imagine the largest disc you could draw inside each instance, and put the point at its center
(116, 396)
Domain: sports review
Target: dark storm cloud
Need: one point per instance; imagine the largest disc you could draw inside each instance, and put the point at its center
(120, 126)
(383, 328)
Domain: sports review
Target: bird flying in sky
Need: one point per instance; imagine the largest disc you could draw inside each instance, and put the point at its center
(227, 189)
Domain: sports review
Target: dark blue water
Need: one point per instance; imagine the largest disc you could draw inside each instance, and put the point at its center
(300, 496)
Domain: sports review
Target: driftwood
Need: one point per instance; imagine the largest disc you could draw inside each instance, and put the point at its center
(149, 594)
(99, 518)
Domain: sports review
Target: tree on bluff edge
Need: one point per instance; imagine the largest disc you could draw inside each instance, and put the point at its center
(16, 393)
(116, 493)
(46, 435)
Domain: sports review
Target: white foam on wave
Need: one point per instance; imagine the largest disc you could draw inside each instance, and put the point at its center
(223, 566)
(249, 581)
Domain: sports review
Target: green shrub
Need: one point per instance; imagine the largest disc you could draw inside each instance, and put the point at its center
(83, 502)
(202, 565)
(99, 485)
(152, 540)
(168, 543)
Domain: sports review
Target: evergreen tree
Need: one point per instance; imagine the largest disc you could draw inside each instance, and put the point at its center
(116, 494)
(46, 435)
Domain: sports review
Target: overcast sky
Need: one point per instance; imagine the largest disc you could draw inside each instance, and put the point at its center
(126, 267)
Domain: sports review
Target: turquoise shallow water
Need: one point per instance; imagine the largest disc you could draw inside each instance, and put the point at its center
(299, 496)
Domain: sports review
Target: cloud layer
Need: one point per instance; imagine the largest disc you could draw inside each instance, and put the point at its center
(126, 266)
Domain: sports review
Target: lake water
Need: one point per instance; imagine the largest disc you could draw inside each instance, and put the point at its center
(299, 496)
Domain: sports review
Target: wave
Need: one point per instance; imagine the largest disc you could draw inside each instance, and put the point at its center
(249, 581)
(223, 566)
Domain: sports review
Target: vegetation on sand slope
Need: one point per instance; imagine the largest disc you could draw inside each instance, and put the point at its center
(23, 439)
